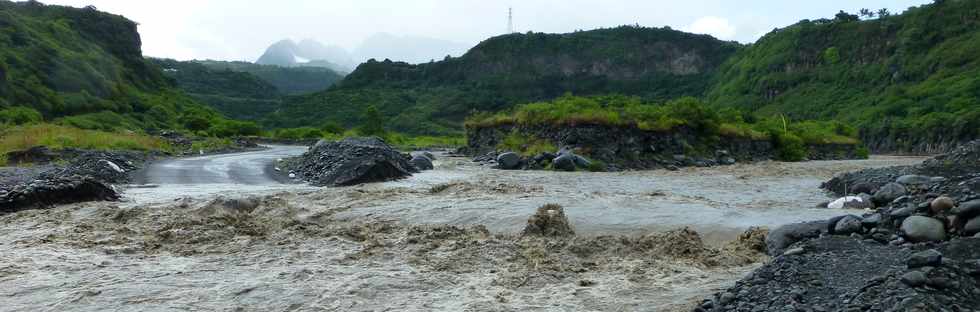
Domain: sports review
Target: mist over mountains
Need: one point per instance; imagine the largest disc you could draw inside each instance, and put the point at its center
(410, 49)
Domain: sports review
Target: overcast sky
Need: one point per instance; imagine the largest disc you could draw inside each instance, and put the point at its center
(241, 30)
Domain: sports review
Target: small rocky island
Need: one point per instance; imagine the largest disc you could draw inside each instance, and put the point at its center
(577, 133)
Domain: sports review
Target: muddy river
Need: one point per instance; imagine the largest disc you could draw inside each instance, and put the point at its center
(440, 240)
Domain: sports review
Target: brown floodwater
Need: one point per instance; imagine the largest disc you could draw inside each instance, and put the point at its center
(416, 244)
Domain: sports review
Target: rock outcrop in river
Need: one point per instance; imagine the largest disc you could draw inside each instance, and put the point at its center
(350, 161)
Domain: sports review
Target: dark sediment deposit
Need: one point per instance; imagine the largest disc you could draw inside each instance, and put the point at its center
(839, 273)
(634, 148)
(85, 176)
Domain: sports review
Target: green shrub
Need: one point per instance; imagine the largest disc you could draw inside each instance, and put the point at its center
(524, 145)
(373, 123)
(863, 152)
(597, 166)
(195, 122)
(332, 127)
(230, 128)
(790, 147)
(20, 116)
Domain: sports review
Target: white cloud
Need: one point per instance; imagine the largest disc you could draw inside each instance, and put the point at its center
(713, 25)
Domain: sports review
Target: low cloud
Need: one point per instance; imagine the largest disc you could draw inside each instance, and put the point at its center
(712, 25)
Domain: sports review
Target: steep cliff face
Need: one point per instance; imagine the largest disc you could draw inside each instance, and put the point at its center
(655, 63)
(64, 61)
(909, 82)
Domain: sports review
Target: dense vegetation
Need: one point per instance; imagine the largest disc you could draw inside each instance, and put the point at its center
(244, 90)
(288, 80)
(237, 94)
(902, 79)
(789, 136)
(434, 98)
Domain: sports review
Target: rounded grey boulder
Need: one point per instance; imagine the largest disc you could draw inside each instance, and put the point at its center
(919, 229)
(972, 227)
(564, 162)
(968, 209)
(508, 161)
(920, 259)
(786, 235)
(581, 162)
(913, 179)
(847, 225)
(422, 163)
(888, 193)
(861, 188)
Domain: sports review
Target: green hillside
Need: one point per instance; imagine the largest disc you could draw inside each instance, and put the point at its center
(434, 98)
(244, 90)
(909, 81)
(288, 80)
(85, 68)
(236, 94)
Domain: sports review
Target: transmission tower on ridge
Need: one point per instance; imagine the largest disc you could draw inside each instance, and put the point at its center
(510, 20)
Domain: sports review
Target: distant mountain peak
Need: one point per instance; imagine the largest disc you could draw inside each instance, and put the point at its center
(310, 52)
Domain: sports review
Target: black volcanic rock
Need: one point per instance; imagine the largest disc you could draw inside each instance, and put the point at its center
(351, 161)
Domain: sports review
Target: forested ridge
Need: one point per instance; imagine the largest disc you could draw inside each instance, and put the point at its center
(909, 82)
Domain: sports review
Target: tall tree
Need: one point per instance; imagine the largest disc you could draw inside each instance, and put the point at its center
(373, 122)
(866, 13)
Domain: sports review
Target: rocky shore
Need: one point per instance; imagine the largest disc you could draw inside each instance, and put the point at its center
(916, 249)
(40, 177)
(632, 148)
(84, 176)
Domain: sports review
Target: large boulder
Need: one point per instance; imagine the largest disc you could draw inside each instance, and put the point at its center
(847, 225)
(581, 162)
(565, 162)
(351, 161)
(422, 163)
(913, 179)
(886, 194)
(786, 235)
(968, 209)
(941, 204)
(919, 229)
(972, 227)
(862, 187)
(508, 161)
